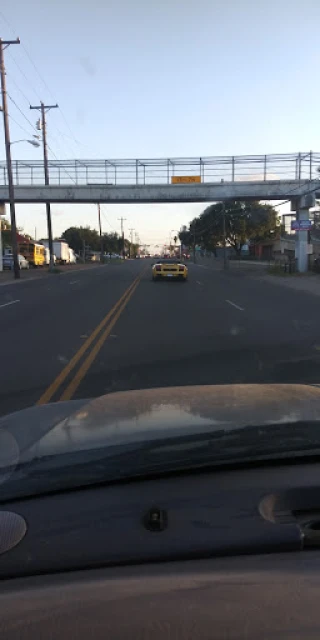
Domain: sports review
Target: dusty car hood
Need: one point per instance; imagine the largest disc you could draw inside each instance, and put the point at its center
(135, 419)
(134, 416)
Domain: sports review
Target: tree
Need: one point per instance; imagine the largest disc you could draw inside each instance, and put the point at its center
(76, 237)
(315, 229)
(185, 237)
(112, 243)
(6, 233)
(244, 221)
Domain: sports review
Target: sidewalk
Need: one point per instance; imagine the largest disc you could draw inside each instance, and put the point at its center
(309, 282)
(7, 277)
(233, 265)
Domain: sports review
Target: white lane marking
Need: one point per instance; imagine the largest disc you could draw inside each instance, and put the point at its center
(74, 281)
(8, 303)
(200, 283)
(202, 266)
(233, 304)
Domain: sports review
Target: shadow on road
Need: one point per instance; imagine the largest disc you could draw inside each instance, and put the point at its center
(284, 364)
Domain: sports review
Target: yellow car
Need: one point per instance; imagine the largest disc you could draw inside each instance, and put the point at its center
(167, 269)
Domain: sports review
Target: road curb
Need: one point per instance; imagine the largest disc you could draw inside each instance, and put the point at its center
(49, 275)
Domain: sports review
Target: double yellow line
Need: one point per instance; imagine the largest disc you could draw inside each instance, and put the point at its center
(106, 325)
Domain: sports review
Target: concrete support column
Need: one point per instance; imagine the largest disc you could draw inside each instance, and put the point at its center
(302, 206)
(301, 251)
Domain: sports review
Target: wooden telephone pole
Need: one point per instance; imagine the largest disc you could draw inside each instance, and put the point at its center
(3, 45)
(43, 108)
(122, 235)
(100, 233)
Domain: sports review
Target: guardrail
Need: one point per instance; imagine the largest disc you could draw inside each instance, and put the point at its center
(296, 166)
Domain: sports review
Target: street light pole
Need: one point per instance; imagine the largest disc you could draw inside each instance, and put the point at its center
(34, 143)
(177, 231)
(3, 45)
(194, 245)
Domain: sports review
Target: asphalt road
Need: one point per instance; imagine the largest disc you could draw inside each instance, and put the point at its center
(111, 328)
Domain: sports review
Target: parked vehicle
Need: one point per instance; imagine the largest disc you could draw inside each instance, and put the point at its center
(316, 265)
(33, 252)
(60, 249)
(93, 256)
(72, 256)
(7, 261)
(47, 256)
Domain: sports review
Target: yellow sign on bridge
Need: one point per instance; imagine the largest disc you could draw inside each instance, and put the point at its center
(185, 179)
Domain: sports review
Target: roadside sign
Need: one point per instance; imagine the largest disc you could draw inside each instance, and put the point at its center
(185, 179)
(301, 225)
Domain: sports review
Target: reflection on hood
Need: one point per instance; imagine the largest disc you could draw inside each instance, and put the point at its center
(179, 410)
(43, 437)
(146, 415)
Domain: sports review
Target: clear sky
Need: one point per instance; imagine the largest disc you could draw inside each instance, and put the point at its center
(160, 78)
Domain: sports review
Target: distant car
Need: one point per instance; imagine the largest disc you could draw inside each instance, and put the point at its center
(167, 269)
(7, 262)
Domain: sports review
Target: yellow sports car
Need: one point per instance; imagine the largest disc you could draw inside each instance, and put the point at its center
(167, 269)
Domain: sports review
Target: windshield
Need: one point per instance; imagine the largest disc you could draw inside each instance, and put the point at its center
(159, 229)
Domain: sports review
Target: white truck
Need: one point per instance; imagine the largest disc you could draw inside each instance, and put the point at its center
(47, 256)
(61, 250)
(72, 256)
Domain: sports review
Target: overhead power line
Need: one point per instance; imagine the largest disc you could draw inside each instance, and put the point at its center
(24, 76)
(19, 125)
(106, 219)
(20, 90)
(40, 76)
(20, 111)
(55, 157)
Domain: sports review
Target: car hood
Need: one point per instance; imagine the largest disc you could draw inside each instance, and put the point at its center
(62, 434)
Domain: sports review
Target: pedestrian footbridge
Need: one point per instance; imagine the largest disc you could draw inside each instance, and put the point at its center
(206, 179)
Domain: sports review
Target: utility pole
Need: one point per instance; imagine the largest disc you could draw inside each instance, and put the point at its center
(3, 45)
(44, 109)
(1, 257)
(100, 233)
(225, 261)
(194, 245)
(131, 241)
(122, 235)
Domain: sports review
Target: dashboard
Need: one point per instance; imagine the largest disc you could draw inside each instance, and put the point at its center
(227, 554)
